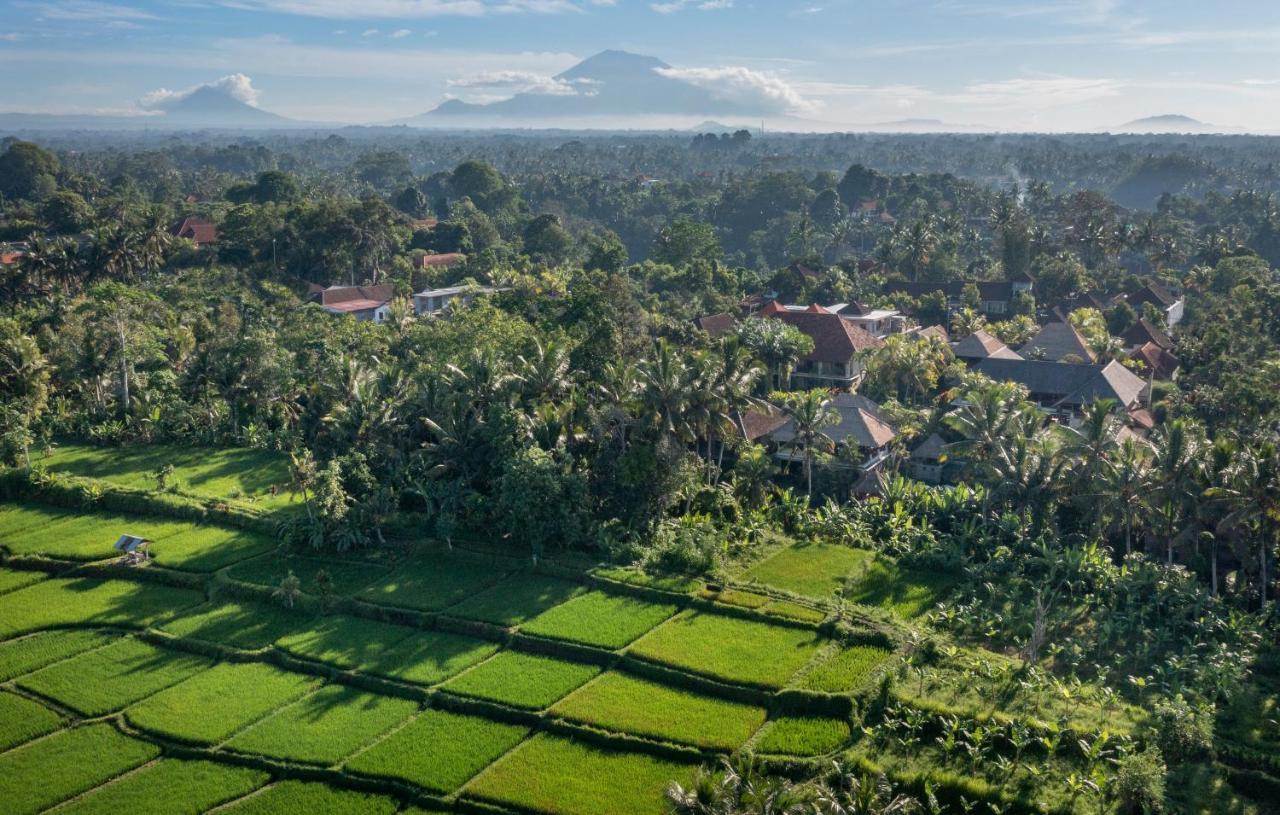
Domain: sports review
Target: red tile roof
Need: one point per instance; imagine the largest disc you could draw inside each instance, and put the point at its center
(835, 339)
(771, 308)
(200, 230)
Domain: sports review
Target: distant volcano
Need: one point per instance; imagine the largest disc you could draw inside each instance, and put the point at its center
(1168, 123)
(208, 106)
(611, 84)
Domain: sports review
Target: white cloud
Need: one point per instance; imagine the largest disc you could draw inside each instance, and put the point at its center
(1036, 93)
(399, 33)
(408, 9)
(672, 6)
(89, 10)
(754, 90)
(521, 82)
(237, 86)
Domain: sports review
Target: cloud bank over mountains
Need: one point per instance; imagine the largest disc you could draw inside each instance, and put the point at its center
(237, 87)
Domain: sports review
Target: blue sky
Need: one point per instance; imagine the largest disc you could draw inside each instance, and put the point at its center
(1039, 65)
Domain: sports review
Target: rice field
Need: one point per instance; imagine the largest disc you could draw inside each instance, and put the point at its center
(22, 719)
(86, 600)
(814, 570)
(211, 706)
(604, 620)
(846, 670)
(345, 577)
(11, 579)
(230, 474)
(292, 797)
(324, 727)
(516, 599)
(439, 750)
(628, 704)
(169, 787)
(804, 736)
(522, 680)
(111, 678)
(432, 584)
(29, 653)
(730, 649)
(67, 763)
(554, 774)
(251, 626)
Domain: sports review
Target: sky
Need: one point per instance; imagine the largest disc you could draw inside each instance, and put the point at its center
(1042, 65)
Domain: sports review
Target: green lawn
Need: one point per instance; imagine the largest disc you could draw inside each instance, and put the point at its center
(727, 648)
(627, 704)
(811, 569)
(347, 576)
(169, 787)
(211, 706)
(846, 670)
(432, 584)
(439, 750)
(516, 599)
(236, 474)
(324, 727)
(45, 772)
(294, 797)
(804, 736)
(554, 774)
(76, 601)
(607, 620)
(114, 677)
(251, 626)
(22, 719)
(522, 680)
(34, 651)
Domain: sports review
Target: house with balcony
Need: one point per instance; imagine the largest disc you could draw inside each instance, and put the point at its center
(838, 346)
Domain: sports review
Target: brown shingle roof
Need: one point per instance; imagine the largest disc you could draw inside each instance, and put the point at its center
(755, 424)
(1057, 341)
(200, 230)
(982, 344)
(1157, 361)
(835, 339)
(1143, 332)
(716, 324)
(436, 261)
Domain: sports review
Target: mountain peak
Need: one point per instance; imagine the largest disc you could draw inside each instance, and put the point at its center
(612, 64)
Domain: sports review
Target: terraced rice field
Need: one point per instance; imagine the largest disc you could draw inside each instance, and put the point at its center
(491, 686)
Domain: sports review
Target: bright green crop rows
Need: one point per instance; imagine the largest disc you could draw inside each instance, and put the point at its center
(346, 576)
(19, 656)
(607, 620)
(294, 797)
(813, 569)
(113, 677)
(432, 584)
(522, 680)
(21, 720)
(211, 706)
(730, 649)
(624, 703)
(240, 625)
(77, 601)
(53, 769)
(439, 750)
(846, 670)
(554, 774)
(325, 727)
(12, 579)
(169, 787)
(804, 736)
(516, 599)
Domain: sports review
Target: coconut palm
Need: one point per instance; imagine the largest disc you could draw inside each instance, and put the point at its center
(1252, 494)
(810, 411)
(1177, 448)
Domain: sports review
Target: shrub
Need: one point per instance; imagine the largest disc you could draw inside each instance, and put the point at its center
(1183, 732)
(1140, 782)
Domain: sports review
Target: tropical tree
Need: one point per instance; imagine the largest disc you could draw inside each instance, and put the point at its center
(809, 411)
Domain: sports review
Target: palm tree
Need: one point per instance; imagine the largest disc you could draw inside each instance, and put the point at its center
(1173, 486)
(545, 372)
(1122, 485)
(1253, 497)
(810, 411)
(753, 474)
(665, 393)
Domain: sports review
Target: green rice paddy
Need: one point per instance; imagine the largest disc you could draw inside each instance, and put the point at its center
(730, 649)
(605, 620)
(811, 569)
(522, 680)
(439, 750)
(22, 719)
(804, 736)
(846, 670)
(169, 787)
(66, 764)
